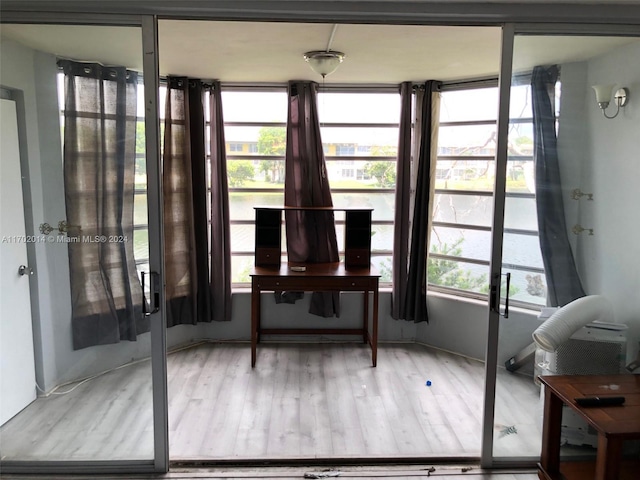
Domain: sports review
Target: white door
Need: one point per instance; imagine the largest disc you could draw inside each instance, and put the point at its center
(17, 368)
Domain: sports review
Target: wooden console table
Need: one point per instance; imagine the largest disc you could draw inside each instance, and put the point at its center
(320, 277)
(614, 424)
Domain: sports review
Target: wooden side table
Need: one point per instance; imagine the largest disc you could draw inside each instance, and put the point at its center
(614, 425)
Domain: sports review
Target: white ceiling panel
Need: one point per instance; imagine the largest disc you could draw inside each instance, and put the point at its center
(271, 52)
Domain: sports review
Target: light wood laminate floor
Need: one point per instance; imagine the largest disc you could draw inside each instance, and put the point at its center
(300, 401)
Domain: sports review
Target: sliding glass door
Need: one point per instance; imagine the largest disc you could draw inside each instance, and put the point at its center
(85, 167)
(569, 175)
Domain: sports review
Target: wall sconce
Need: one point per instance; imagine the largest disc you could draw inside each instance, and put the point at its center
(603, 96)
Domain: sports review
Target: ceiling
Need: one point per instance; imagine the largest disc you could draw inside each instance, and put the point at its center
(268, 52)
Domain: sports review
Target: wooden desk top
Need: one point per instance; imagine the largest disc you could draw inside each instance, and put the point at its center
(622, 421)
(334, 269)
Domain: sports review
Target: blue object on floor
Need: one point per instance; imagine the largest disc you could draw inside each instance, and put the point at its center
(428, 383)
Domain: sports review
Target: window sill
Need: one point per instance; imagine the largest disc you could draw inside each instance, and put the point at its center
(458, 297)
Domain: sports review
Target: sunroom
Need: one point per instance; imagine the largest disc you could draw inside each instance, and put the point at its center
(135, 149)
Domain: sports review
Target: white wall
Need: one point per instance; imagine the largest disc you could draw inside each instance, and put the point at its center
(460, 325)
(572, 141)
(602, 156)
(609, 260)
(297, 316)
(18, 65)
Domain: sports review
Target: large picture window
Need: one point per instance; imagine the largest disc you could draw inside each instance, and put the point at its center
(359, 130)
(360, 135)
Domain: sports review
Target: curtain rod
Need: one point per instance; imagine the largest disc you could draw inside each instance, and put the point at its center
(277, 86)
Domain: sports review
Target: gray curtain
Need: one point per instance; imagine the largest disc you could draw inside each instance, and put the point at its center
(311, 235)
(99, 164)
(415, 298)
(403, 202)
(220, 285)
(563, 282)
(185, 204)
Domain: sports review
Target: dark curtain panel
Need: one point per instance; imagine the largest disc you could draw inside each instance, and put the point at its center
(220, 238)
(99, 164)
(311, 235)
(403, 202)
(415, 300)
(563, 283)
(185, 204)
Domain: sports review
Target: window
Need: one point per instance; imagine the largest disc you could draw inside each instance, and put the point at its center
(140, 222)
(465, 174)
(364, 126)
(256, 116)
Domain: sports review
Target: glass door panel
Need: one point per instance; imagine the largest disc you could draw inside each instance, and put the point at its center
(589, 246)
(80, 119)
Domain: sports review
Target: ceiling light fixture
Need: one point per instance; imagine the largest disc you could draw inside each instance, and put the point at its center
(603, 96)
(325, 62)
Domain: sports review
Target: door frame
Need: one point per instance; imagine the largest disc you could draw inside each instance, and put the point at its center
(160, 461)
(495, 267)
(510, 31)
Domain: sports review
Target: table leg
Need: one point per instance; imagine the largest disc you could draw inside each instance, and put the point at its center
(374, 340)
(608, 459)
(255, 321)
(551, 428)
(365, 321)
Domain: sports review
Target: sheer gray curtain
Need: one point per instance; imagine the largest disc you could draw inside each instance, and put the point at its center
(563, 282)
(99, 163)
(412, 303)
(185, 201)
(198, 285)
(311, 235)
(220, 285)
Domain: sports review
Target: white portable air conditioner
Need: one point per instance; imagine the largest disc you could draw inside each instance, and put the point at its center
(598, 348)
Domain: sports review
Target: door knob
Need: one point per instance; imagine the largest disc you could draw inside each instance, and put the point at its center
(24, 270)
